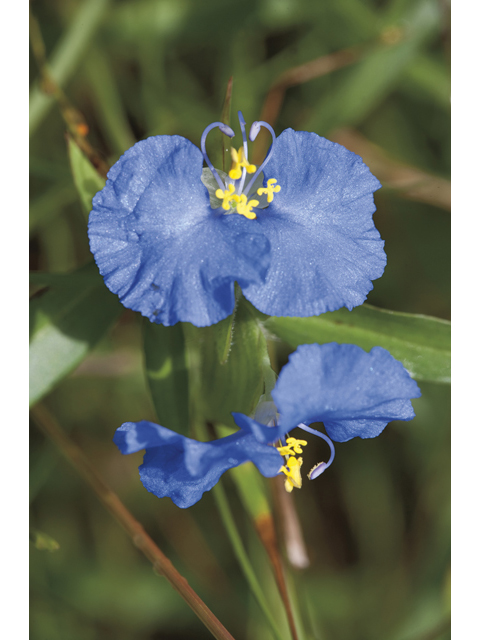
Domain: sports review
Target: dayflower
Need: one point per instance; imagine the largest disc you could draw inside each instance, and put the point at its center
(354, 393)
(296, 233)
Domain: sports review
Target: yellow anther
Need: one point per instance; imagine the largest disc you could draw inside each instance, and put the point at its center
(239, 161)
(292, 471)
(293, 446)
(226, 196)
(269, 189)
(244, 207)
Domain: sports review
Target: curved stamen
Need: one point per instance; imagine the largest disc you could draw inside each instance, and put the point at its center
(319, 468)
(254, 131)
(228, 131)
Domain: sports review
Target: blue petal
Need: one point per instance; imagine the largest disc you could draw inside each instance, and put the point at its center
(183, 469)
(354, 393)
(160, 246)
(325, 247)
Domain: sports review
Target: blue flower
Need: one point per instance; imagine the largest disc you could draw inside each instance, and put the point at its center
(354, 393)
(164, 239)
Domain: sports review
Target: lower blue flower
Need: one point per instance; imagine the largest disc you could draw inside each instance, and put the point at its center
(184, 469)
(354, 394)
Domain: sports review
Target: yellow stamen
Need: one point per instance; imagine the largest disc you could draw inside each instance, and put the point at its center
(244, 207)
(292, 471)
(292, 466)
(239, 161)
(226, 196)
(293, 446)
(269, 189)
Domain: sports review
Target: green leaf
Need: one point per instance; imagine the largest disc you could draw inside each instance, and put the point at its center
(429, 77)
(85, 176)
(367, 83)
(167, 375)
(420, 342)
(50, 205)
(66, 322)
(111, 110)
(67, 55)
(227, 365)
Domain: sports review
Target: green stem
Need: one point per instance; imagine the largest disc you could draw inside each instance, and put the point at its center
(134, 529)
(242, 557)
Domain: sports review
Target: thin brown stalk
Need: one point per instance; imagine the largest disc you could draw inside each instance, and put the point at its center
(265, 527)
(134, 529)
(225, 118)
(294, 76)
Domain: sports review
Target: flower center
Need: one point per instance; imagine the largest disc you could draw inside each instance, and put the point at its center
(233, 192)
(292, 465)
(239, 161)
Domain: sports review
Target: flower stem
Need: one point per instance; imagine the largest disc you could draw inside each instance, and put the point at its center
(266, 531)
(242, 557)
(134, 529)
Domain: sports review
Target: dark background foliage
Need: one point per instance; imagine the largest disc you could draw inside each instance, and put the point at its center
(371, 74)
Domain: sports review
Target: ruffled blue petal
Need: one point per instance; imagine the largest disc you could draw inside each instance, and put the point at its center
(183, 469)
(354, 393)
(159, 245)
(325, 247)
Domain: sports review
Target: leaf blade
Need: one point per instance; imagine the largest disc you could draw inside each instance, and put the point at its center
(87, 181)
(421, 343)
(66, 322)
(167, 374)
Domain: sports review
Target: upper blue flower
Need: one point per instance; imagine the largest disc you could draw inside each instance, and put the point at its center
(352, 392)
(305, 242)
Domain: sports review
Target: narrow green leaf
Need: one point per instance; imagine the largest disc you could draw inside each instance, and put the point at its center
(67, 55)
(106, 95)
(233, 384)
(66, 322)
(85, 176)
(421, 343)
(367, 83)
(429, 77)
(167, 375)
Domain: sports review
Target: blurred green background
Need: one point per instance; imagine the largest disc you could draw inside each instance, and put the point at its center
(370, 74)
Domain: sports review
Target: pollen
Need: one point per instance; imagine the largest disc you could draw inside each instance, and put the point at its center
(238, 161)
(291, 468)
(293, 446)
(245, 208)
(270, 189)
(292, 471)
(226, 196)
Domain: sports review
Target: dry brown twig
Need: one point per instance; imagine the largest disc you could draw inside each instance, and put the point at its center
(161, 564)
